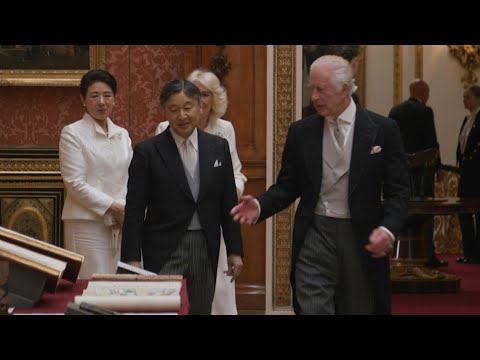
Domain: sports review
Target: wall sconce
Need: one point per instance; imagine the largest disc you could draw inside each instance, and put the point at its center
(221, 65)
(469, 58)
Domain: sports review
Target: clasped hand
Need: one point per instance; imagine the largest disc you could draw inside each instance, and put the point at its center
(235, 265)
(380, 243)
(118, 212)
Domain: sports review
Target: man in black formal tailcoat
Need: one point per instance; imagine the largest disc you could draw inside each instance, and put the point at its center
(417, 127)
(339, 162)
(468, 161)
(181, 189)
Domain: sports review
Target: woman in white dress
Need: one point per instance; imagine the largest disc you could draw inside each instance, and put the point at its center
(94, 158)
(214, 102)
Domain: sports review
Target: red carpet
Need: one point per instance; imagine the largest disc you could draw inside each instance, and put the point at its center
(465, 302)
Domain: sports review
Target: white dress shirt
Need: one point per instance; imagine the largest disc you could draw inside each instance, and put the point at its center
(222, 128)
(180, 142)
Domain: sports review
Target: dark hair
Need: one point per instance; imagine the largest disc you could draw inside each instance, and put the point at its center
(348, 52)
(176, 86)
(97, 75)
(475, 90)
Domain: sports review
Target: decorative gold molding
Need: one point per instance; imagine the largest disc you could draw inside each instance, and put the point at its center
(469, 58)
(39, 217)
(29, 165)
(32, 192)
(284, 80)
(418, 61)
(21, 184)
(397, 74)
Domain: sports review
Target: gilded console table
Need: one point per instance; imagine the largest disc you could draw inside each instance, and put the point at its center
(409, 274)
(32, 192)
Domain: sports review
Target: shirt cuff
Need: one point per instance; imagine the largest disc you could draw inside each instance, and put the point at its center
(259, 210)
(392, 237)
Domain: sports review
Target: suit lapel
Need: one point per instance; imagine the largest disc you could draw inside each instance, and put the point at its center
(471, 137)
(168, 151)
(459, 149)
(206, 161)
(314, 145)
(364, 135)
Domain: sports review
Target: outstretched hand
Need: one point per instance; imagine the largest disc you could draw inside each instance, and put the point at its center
(246, 212)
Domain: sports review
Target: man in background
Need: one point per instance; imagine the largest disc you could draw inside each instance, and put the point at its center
(468, 161)
(417, 127)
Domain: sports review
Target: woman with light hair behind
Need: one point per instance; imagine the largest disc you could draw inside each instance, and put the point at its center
(214, 103)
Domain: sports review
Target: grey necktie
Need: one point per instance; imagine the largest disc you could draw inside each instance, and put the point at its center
(337, 131)
(189, 156)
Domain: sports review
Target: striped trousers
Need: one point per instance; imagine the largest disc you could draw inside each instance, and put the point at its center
(192, 260)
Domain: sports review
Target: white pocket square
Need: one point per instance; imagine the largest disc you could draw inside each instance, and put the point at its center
(217, 164)
(375, 149)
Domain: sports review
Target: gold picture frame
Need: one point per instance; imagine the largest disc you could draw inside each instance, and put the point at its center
(21, 76)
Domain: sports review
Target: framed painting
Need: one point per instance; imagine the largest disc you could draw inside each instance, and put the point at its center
(48, 65)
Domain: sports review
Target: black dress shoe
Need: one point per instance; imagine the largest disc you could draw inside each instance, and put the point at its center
(462, 260)
(436, 262)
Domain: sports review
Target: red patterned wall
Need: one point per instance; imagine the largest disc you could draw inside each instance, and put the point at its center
(35, 116)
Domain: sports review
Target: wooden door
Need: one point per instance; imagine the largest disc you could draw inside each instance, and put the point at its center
(246, 86)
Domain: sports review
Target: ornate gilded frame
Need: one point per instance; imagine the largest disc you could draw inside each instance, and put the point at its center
(17, 77)
(284, 112)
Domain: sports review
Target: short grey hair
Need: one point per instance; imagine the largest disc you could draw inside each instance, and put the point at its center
(341, 70)
(212, 83)
(475, 90)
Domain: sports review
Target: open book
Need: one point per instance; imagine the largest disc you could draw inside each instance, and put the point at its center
(52, 268)
(34, 266)
(133, 296)
(73, 260)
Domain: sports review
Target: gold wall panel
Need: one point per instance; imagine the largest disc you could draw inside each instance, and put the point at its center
(284, 80)
(32, 192)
